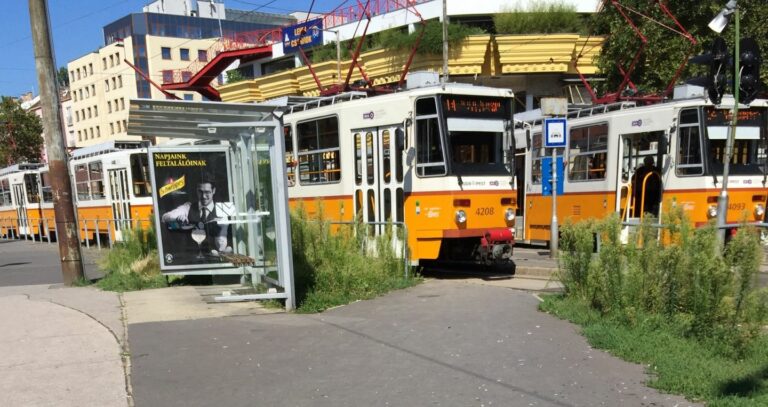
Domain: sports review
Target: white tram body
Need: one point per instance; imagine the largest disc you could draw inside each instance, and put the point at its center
(19, 208)
(432, 158)
(608, 144)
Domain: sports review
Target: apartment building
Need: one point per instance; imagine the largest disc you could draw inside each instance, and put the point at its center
(168, 35)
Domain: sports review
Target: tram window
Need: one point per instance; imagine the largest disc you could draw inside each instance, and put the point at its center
(369, 157)
(318, 143)
(32, 189)
(689, 158)
(429, 148)
(588, 149)
(81, 182)
(97, 183)
(429, 145)
(387, 205)
(399, 204)
(399, 147)
(5, 193)
(290, 161)
(358, 160)
(45, 183)
(140, 175)
(387, 157)
(536, 159)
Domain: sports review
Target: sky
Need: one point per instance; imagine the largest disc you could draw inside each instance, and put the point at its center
(76, 27)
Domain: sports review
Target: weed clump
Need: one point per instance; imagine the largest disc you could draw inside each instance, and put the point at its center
(676, 272)
(132, 264)
(338, 264)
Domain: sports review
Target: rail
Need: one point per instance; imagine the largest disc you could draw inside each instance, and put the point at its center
(99, 233)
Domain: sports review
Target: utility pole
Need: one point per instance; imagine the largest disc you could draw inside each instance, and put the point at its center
(445, 43)
(66, 227)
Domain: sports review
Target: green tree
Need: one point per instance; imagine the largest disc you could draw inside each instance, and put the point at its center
(20, 133)
(62, 76)
(665, 49)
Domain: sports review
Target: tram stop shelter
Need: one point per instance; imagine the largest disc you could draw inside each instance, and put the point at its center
(220, 194)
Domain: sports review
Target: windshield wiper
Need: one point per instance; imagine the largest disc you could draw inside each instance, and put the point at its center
(461, 181)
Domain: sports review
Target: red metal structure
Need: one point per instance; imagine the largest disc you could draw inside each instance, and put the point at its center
(619, 93)
(199, 75)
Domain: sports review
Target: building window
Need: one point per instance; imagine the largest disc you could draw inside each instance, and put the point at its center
(117, 58)
(125, 126)
(90, 69)
(98, 131)
(122, 104)
(114, 83)
(189, 96)
(109, 107)
(79, 136)
(120, 81)
(77, 116)
(202, 55)
(72, 76)
(111, 128)
(118, 127)
(93, 89)
(111, 60)
(186, 76)
(78, 73)
(90, 131)
(184, 54)
(87, 92)
(104, 62)
(166, 52)
(95, 111)
(89, 112)
(106, 85)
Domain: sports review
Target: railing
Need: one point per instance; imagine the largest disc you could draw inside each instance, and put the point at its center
(234, 42)
(345, 14)
(92, 232)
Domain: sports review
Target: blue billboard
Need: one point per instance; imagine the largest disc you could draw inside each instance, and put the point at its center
(304, 35)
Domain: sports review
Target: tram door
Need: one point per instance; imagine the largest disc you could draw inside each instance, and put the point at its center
(379, 175)
(638, 153)
(120, 200)
(21, 209)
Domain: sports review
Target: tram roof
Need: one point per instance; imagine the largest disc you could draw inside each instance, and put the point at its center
(19, 168)
(108, 147)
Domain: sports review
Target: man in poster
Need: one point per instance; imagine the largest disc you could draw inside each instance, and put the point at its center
(201, 216)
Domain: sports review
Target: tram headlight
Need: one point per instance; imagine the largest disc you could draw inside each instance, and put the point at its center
(759, 210)
(509, 214)
(461, 216)
(712, 211)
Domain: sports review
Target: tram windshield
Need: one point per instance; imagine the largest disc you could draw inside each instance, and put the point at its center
(749, 144)
(475, 135)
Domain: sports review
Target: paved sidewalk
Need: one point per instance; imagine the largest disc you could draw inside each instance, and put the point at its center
(61, 347)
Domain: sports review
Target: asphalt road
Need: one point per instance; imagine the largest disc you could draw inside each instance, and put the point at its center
(443, 343)
(28, 263)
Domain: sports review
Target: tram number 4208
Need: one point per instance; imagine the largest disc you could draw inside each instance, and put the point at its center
(484, 211)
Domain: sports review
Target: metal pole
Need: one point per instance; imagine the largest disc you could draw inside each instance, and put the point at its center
(553, 238)
(69, 249)
(722, 200)
(445, 43)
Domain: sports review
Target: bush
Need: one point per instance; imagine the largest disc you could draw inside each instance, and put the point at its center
(133, 264)
(540, 18)
(677, 273)
(335, 267)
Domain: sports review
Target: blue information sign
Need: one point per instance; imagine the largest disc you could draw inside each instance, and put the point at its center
(555, 134)
(303, 35)
(546, 175)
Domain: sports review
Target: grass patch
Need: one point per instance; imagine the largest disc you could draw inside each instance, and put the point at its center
(133, 264)
(539, 18)
(339, 266)
(674, 300)
(677, 363)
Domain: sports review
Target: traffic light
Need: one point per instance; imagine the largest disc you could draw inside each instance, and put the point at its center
(749, 75)
(717, 79)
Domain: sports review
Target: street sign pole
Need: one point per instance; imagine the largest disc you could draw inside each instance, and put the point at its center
(555, 136)
(553, 227)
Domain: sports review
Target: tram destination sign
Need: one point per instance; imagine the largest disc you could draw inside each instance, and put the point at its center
(753, 116)
(481, 107)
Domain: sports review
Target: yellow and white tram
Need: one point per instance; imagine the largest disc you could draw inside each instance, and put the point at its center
(683, 143)
(432, 158)
(19, 200)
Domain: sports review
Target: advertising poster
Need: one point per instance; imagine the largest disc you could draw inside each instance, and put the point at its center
(193, 202)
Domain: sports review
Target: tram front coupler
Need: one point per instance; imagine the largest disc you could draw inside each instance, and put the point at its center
(496, 246)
